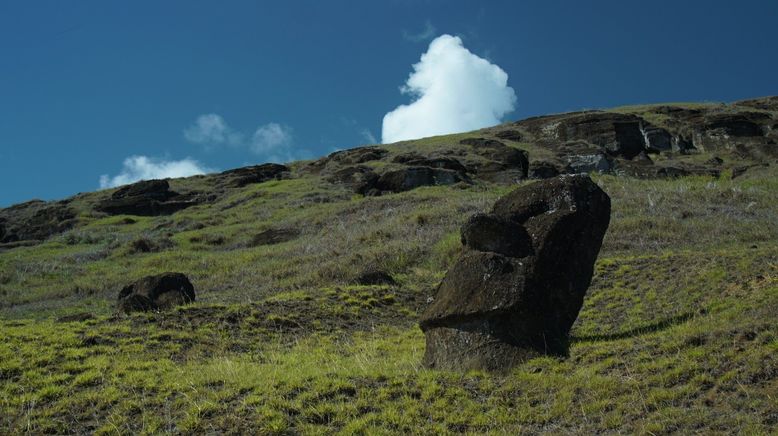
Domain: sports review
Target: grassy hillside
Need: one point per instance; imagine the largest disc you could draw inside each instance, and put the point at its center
(677, 332)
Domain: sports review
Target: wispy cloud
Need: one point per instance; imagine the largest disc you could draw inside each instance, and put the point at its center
(453, 90)
(272, 142)
(368, 135)
(275, 143)
(137, 168)
(424, 35)
(210, 130)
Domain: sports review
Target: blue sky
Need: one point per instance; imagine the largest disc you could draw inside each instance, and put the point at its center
(130, 89)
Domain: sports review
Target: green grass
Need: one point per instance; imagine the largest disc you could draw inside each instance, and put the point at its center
(676, 335)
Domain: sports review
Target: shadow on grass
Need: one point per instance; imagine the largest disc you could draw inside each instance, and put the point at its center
(638, 331)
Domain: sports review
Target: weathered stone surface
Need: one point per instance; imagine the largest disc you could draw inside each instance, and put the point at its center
(241, 177)
(618, 133)
(502, 164)
(510, 135)
(156, 292)
(485, 232)
(146, 198)
(542, 170)
(360, 179)
(517, 290)
(35, 220)
(764, 103)
(358, 155)
(413, 177)
(448, 163)
(588, 163)
(656, 139)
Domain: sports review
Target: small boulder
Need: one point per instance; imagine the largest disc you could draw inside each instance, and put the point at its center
(156, 292)
(517, 289)
(588, 163)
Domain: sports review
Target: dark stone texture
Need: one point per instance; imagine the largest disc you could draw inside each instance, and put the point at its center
(588, 163)
(146, 198)
(542, 170)
(360, 179)
(240, 177)
(517, 290)
(156, 292)
(413, 177)
(733, 125)
(485, 232)
(656, 139)
(619, 134)
(357, 155)
(502, 163)
(35, 221)
(510, 135)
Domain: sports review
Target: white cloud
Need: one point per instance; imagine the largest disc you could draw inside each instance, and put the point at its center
(137, 168)
(454, 91)
(211, 129)
(274, 142)
(368, 135)
(426, 34)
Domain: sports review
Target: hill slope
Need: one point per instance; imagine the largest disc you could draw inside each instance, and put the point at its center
(677, 332)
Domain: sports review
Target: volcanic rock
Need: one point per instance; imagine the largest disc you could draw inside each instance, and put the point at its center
(502, 163)
(518, 288)
(145, 198)
(360, 179)
(588, 163)
(156, 292)
(35, 220)
(542, 170)
(413, 177)
(241, 177)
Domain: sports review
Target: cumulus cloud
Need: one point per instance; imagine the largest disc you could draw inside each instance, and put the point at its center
(453, 90)
(211, 129)
(137, 168)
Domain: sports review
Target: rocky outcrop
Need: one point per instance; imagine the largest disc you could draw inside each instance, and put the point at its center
(157, 292)
(510, 135)
(517, 289)
(588, 163)
(240, 177)
(500, 163)
(339, 159)
(413, 177)
(542, 170)
(35, 221)
(146, 198)
(360, 179)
